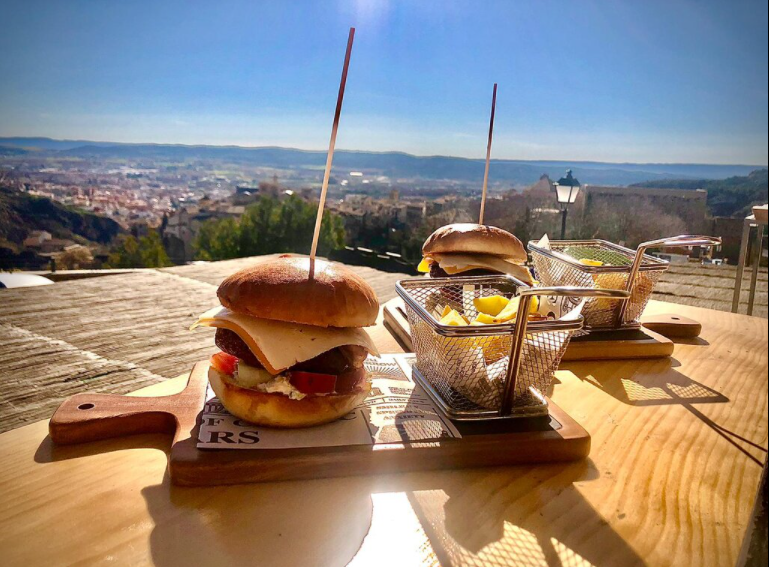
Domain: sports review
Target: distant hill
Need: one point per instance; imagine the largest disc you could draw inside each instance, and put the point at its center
(392, 164)
(48, 143)
(12, 151)
(734, 196)
(21, 213)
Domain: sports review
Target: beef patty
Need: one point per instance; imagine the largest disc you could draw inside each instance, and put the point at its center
(335, 361)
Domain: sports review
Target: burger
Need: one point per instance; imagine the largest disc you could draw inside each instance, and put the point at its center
(466, 249)
(291, 340)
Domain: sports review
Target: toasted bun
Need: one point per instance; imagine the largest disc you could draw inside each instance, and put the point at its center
(283, 289)
(277, 410)
(468, 238)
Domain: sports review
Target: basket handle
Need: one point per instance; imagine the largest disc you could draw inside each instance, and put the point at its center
(570, 291)
(522, 320)
(681, 240)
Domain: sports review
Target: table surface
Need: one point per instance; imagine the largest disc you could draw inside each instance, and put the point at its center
(678, 447)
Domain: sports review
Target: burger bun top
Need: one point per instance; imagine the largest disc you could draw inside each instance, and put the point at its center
(470, 238)
(291, 289)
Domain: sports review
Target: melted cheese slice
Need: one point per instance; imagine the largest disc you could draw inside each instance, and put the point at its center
(279, 345)
(458, 263)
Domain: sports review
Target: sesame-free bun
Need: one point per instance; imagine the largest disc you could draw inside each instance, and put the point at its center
(284, 289)
(469, 238)
(277, 410)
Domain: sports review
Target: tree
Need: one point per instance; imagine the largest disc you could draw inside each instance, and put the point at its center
(125, 254)
(76, 257)
(629, 221)
(145, 252)
(217, 240)
(151, 250)
(267, 227)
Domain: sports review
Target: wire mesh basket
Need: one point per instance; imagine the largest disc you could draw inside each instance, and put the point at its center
(601, 264)
(488, 371)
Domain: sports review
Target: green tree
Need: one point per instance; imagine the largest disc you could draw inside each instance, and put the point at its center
(145, 252)
(267, 227)
(125, 254)
(218, 240)
(151, 250)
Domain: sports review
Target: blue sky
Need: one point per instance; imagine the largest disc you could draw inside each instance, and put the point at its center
(640, 81)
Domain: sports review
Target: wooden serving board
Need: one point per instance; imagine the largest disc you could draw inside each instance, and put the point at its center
(617, 345)
(606, 345)
(91, 417)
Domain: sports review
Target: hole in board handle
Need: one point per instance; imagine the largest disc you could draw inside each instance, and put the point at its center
(676, 318)
(85, 406)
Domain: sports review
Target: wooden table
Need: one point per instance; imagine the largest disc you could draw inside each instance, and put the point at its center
(678, 448)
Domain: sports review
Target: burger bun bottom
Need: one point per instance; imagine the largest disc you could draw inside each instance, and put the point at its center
(277, 410)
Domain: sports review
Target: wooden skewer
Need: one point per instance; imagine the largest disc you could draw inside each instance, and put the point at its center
(488, 154)
(332, 142)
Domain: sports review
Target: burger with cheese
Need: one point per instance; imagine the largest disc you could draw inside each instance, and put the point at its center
(466, 249)
(292, 343)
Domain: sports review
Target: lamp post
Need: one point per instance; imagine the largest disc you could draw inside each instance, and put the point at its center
(566, 191)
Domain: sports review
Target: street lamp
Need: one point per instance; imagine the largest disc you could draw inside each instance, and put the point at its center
(566, 191)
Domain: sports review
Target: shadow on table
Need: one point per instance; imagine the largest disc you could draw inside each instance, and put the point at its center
(48, 452)
(692, 341)
(489, 520)
(645, 382)
(655, 382)
(285, 523)
(321, 522)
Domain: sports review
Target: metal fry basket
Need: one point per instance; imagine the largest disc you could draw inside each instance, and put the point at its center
(620, 268)
(488, 371)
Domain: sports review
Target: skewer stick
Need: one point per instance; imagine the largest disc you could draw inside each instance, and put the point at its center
(488, 154)
(332, 142)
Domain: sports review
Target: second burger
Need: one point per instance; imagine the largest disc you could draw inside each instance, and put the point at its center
(468, 249)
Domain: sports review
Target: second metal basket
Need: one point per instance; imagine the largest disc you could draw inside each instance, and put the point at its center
(487, 371)
(619, 268)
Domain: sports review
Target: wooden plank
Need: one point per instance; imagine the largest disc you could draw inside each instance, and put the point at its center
(396, 321)
(671, 480)
(619, 345)
(110, 334)
(39, 372)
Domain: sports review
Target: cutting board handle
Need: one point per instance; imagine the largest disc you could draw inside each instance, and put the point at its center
(672, 326)
(83, 418)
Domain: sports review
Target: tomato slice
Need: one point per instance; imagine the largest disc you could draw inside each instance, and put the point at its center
(313, 382)
(224, 363)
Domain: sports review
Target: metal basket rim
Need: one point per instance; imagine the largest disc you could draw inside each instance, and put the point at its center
(649, 263)
(532, 327)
